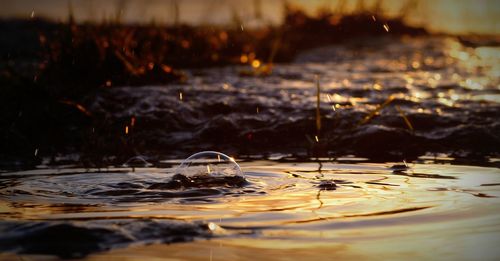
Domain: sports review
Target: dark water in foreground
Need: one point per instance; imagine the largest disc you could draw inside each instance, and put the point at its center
(286, 210)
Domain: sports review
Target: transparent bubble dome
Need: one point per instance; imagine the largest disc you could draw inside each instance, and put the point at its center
(209, 163)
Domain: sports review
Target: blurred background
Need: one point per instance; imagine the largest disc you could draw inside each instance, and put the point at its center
(448, 16)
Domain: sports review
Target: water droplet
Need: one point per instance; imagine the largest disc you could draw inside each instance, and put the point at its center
(386, 27)
(210, 163)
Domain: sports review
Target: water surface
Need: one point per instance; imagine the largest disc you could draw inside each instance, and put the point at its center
(384, 99)
(327, 209)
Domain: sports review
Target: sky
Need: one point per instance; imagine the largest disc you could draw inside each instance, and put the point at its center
(449, 16)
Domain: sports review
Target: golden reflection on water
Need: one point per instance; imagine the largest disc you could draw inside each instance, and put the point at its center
(437, 79)
(374, 212)
(483, 62)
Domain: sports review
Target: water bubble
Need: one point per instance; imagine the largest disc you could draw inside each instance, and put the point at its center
(211, 164)
(137, 161)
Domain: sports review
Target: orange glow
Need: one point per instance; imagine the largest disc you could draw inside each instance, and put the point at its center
(256, 63)
(223, 36)
(243, 58)
(166, 68)
(126, 129)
